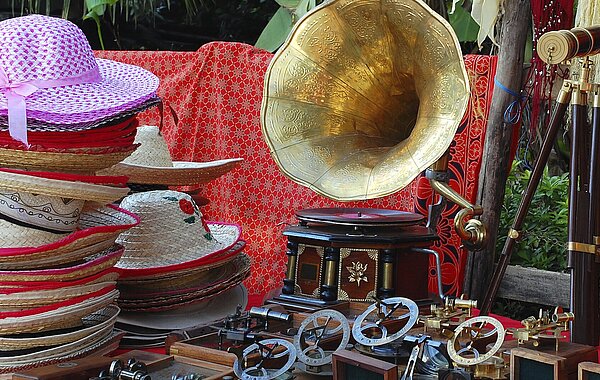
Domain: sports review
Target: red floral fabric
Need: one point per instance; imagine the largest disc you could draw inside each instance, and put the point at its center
(212, 103)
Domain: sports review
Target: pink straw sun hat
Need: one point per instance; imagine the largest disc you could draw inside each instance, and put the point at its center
(48, 72)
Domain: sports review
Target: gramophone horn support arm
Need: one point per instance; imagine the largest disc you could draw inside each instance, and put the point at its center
(472, 231)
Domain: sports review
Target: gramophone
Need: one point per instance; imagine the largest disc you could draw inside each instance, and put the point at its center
(364, 96)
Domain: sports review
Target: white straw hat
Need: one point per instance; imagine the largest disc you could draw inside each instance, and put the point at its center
(27, 248)
(151, 164)
(51, 214)
(101, 189)
(103, 319)
(171, 234)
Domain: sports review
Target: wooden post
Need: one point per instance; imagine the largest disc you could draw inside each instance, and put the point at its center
(495, 162)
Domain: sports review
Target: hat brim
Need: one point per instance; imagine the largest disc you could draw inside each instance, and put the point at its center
(90, 266)
(188, 298)
(197, 281)
(210, 310)
(36, 298)
(183, 173)
(225, 237)
(100, 320)
(122, 88)
(67, 352)
(98, 227)
(58, 318)
(89, 188)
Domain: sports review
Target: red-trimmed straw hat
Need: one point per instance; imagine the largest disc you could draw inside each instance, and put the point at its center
(98, 229)
(171, 235)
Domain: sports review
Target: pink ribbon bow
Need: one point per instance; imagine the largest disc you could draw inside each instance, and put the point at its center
(17, 92)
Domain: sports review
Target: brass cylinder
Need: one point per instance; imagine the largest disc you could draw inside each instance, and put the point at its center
(465, 304)
(563, 317)
(330, 273)
(388, 275)
(291, 267)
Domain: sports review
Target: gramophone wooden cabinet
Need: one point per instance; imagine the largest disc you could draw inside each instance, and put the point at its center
(335, 263)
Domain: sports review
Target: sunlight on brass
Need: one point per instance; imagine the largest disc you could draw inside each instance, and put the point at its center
(547, 328)
(581, 247)
(363, 96)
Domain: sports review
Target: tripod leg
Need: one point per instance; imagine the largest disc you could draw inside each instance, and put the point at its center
(562, 103)
(582, 260)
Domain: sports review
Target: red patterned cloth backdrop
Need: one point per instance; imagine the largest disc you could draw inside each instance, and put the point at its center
(212, 98)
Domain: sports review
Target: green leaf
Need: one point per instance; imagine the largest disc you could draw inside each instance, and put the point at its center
(302, 9)
(96, 8)
(276, 31)
(190, 220)
(288, 3)
(463, 24)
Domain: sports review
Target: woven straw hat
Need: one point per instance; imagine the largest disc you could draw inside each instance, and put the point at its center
(65, 353)
(47, 213)
(103, 319)
(88, 267)
(107, 275)
(59, 316)
(88, 188)
(98, 229)
(20, 299)
(232, 275)
(172, 234)
(48, 72)
(75, 151)
(151, 164)
(148, 281)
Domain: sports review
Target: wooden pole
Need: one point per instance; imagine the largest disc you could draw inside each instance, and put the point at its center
(515, 23)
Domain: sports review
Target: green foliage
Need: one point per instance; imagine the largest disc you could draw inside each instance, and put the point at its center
(464, 26)
(544, 231)
(282, 22)
(96, 9)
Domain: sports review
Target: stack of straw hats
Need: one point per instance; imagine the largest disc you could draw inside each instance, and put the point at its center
(64, 115)
(175, 264)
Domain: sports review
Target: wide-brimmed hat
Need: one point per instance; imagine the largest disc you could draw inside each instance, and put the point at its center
(48, 72)
(171, 235)
(89, 266)
(28, 299)
(75, 151)
(64, 353)
(103, 319)
(61, 315)
(98, 229)
(227, 276)
(99, 189)
(151, 164)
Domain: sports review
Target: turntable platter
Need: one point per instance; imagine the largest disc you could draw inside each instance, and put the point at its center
(359, 216)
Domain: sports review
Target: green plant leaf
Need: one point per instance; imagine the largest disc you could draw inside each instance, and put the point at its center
(96, 8)
(463, 24)
(302, 9)
(276, 31)
(288, 3)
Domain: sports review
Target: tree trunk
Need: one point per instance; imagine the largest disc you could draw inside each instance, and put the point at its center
(516, 22)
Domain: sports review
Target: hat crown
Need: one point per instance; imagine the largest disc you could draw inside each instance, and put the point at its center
(167, 211)
(38, 47)
(153, 149)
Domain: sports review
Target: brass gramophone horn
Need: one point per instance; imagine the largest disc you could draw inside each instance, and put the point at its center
(363, 96)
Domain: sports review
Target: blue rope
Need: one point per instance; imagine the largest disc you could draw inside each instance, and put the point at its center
(512, 114)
